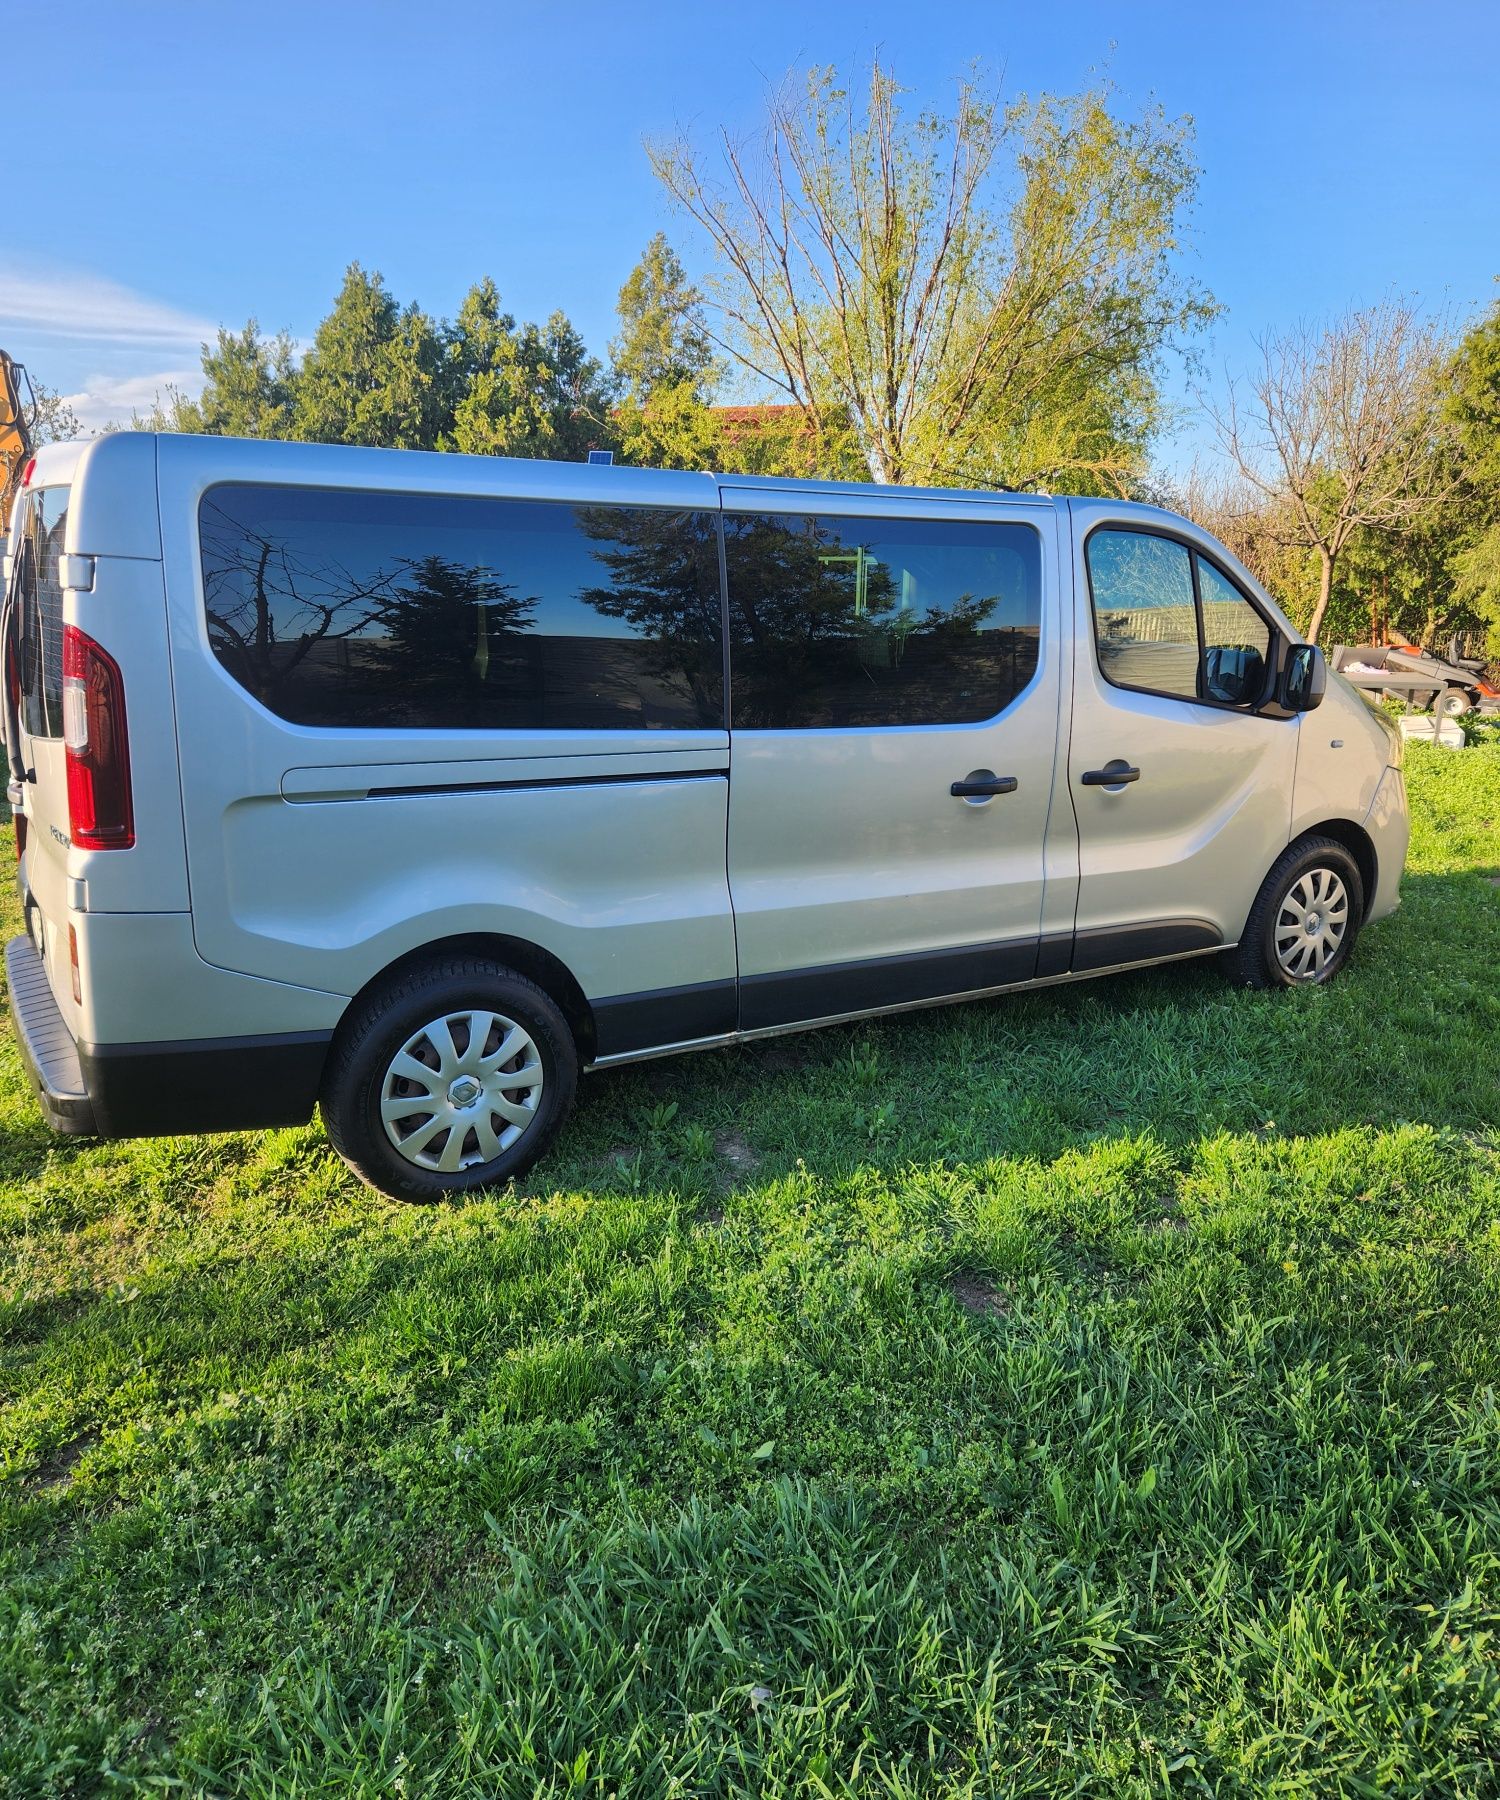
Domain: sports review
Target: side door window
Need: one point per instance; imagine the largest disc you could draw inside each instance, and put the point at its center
(847, 622)
(1236, 640)
(1145, 619)
(1167, 621)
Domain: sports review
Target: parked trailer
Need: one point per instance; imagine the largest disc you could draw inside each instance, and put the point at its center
(1450, 688)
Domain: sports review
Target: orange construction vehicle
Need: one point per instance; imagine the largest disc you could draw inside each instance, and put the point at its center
(17, 421)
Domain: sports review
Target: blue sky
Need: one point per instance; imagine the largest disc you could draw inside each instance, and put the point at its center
(191, 162)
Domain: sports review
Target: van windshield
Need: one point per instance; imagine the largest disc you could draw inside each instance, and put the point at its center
(38, 616)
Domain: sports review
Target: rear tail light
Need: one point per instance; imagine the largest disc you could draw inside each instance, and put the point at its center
(100, 816)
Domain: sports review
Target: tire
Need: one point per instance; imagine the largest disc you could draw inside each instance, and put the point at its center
(1304, 921)
(1454, 703)
(403, 1077)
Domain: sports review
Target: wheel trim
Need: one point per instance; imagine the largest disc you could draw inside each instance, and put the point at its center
(1311, 924)
(461, 1090)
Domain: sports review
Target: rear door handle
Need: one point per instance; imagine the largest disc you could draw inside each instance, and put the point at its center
(982, 784)
(1113, 774)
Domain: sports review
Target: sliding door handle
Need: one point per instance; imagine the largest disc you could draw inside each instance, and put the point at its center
(1113, 774)
(983, 784)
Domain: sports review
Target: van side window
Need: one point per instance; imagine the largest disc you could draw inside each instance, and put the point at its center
(867, 621)
(1167, 621)
(1145, 621)
(443, 613)
(1236, 639)
(39, 610)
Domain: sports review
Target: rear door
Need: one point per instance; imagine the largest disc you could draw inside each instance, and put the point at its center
(1181, 790)
(885, 650)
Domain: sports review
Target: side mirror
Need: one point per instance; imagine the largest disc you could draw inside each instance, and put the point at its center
(1236, 674)
(1304, 678)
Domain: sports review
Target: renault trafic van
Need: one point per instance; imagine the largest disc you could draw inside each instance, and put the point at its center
(410, 785)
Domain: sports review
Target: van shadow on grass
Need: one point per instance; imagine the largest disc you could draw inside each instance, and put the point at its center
(1406, 1034)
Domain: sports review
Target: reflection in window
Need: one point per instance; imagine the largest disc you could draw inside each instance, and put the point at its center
(42, 529)
(1234, 635)
(454, 613)
(1144, 616)
(868, 621)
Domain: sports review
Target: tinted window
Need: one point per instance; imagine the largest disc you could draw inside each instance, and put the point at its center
(1145, 622)
(439, 613)
(39, 609)
(860, 621)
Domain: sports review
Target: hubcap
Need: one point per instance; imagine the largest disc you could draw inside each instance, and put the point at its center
(461, 1090)
(1311, 924)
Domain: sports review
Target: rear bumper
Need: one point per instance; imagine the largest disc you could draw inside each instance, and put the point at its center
(47, 1046)
(156, 1089)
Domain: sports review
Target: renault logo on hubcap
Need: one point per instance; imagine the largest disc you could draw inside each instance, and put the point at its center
(464, 1092)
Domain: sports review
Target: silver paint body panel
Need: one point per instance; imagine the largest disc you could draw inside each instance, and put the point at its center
(279, 869)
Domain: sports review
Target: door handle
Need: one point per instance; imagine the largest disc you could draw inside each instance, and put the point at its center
(983, 784)
(1113, 774)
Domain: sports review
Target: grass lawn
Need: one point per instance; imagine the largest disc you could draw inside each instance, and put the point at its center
(1086, 1393)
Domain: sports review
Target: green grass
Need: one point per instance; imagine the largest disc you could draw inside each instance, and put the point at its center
(1086, 1393)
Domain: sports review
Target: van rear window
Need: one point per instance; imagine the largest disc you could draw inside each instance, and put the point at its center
(39, 610)
(455, 613)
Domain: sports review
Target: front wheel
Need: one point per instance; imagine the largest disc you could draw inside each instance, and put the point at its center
(456, 1075)
(1305, 919)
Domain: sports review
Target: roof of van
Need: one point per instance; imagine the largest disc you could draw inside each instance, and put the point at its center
(344, 463)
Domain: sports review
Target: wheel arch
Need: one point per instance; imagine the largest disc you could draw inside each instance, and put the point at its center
(549, 972)
(1356, 840)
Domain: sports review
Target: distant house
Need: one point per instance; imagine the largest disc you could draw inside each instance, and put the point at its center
(770, 440)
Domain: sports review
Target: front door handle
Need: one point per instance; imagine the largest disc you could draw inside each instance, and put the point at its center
(1113, 774)
(983, 784)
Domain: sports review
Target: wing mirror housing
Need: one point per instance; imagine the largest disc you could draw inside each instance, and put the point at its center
(1304, 678)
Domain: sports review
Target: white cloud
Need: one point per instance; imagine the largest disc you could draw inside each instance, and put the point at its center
(74, 304)
(115, 399)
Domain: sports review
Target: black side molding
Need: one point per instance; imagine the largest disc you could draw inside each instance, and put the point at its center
(821, 993)
(659, 1016)
(1104, 947)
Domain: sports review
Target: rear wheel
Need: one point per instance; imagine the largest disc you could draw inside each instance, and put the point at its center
(1454, 703)
(457, 1075)
(1302, 927)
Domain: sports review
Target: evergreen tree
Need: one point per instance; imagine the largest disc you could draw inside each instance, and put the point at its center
(374, 372)
(663, 360)
(535, 391)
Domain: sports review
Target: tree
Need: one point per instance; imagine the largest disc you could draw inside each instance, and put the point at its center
(535, 391)
(54, 421)
(1472, 407)
(248, 388)
(1340, 433)
(664, 365)
(373, 373)
(981, 298)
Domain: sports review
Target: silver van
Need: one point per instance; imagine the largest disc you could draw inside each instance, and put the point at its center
(411, 785)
